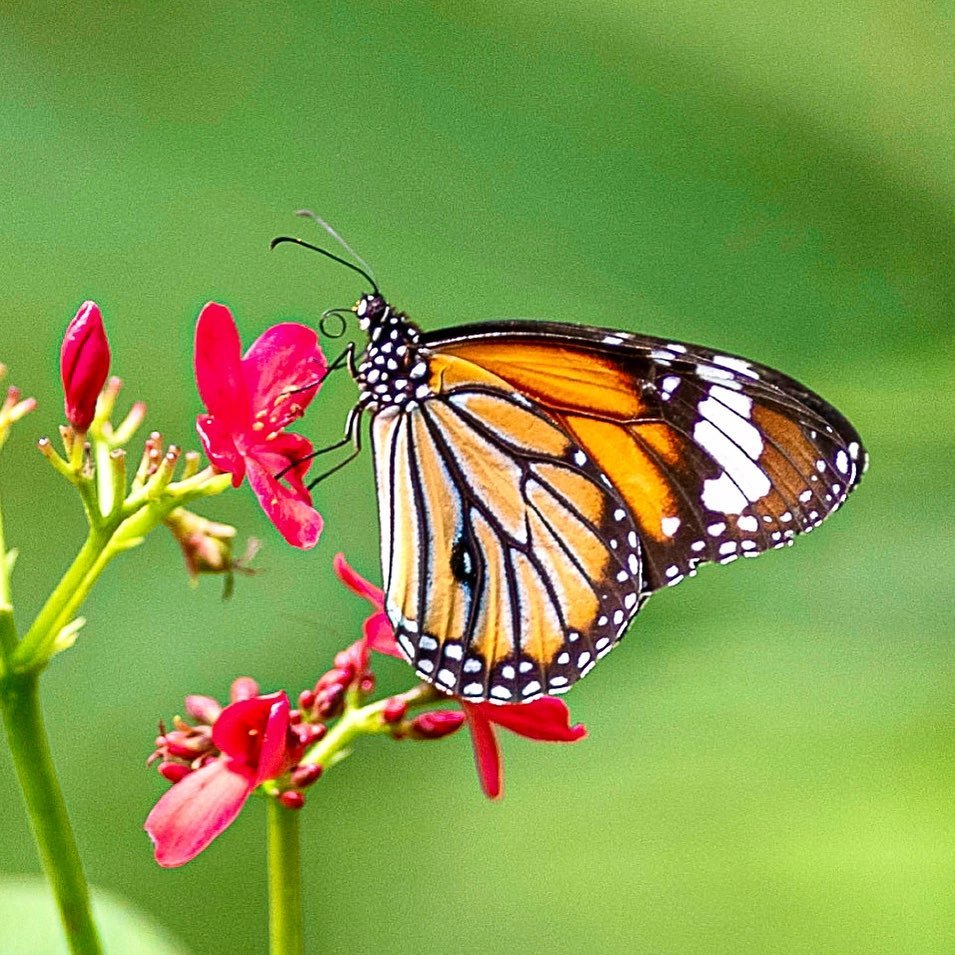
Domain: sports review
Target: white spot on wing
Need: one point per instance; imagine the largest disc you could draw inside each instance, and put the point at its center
(670, 525)
(741, 474)
(732, 422)
(721, 494)
(737, 364)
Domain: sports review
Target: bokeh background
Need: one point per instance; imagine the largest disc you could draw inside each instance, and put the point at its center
(770, 765)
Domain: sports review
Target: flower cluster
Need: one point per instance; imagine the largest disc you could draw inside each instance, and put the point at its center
(218, 761)
(220, 757)
(546, 719)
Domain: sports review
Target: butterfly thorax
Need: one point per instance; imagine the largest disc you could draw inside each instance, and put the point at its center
(393, 370)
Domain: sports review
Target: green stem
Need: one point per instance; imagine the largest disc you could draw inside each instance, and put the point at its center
(8, 630)
(285, 881)
(104, 543)
(5, 600)
(65, 600)
(30, 749)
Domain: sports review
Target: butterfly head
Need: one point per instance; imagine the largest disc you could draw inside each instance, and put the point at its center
(372, 311)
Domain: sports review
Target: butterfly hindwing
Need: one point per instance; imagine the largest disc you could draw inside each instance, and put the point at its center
(511, 561)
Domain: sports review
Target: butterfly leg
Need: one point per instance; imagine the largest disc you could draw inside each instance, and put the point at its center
(352, 436)
(345, 360)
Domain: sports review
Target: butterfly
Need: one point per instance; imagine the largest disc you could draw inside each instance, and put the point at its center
(538, 481)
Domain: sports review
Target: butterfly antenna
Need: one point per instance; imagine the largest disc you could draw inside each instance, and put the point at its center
(329, 255)
(308, 214)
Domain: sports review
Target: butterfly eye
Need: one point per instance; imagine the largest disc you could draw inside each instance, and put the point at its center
(462, 562)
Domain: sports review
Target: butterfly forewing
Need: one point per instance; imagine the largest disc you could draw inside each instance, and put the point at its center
(715, 457)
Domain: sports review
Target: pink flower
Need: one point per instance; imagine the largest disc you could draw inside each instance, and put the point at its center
(255, 743)
(546, 719)
(84, 365)
(250, 400)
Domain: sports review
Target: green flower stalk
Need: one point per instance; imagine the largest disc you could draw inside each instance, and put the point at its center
(120, 513)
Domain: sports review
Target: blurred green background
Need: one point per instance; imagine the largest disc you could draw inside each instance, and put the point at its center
(770, 765)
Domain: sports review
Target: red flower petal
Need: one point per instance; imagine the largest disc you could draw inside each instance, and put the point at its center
(219, 444)
(282, 371)
(487, 755)
(546, 719)
(294, 518)
(194, 811)
(291, 453)
(380, 635)
(240, 731)
(274, 755)
(219, 369)
(84, 365)
(356, 583)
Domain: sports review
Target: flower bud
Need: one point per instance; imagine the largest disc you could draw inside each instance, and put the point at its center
(203, 709)
(292, 799)
(174, 772)
(206, 545)
(366, 685)
(395, 709)
(185, 745)
(13, 408)
(330, 701)
(309, 733)
(304, 776)
(243, 688)
(435, 724)
(84, 365)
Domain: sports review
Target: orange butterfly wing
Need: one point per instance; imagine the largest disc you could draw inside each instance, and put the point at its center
(716, 457)
(548, 478)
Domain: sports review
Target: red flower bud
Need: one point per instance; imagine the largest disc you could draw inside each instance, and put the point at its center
(309, 733)
(84, 365)
(330, 701)
(366, 684)
(291, 799)
(174, 772)
(306, 699)
(304, 776)
(185, 745)
(394, 710)
(203, 709)
(436, 724)
(243, 688)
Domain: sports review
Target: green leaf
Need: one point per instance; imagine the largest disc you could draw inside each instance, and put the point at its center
(29, 923)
